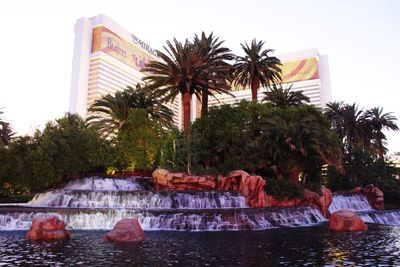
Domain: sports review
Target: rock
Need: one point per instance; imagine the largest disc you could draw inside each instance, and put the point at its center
(166, 180)
(48, 229)
(375, 196)
(126, 230)
(249, 186)
(356, 190)
(160, 177)
(345, 220)
(320, 202)
(325, 200)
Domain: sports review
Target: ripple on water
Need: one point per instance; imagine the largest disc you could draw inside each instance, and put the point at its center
(315, 246)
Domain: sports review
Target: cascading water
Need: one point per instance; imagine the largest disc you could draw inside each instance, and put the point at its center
(98, 203)
(359, 204)
(353, 202)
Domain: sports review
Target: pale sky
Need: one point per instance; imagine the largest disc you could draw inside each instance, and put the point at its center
(361, 39)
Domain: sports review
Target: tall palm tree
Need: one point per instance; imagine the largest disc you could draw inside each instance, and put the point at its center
(378, 121)
(285, 98)
(182, 70)
(348, 122)
(209, 48)
(256, 68)
(111, 112)
(6, 132)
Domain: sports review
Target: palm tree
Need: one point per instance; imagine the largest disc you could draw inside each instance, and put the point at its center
(292, 143)
(111, 112)
(182, 70)
(256, 68)
(210, 49)
(378, 121)
(285, 98)
(6, 132)
(348, 122)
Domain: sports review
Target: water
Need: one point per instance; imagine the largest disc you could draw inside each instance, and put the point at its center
(139, 199)
(354, 202)
(19, 218)
(310, 246)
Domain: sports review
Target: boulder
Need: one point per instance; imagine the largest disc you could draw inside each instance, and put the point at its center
(345, 220)
(375, 196)
(249, 186)
(165, 180)
(48, 229)
(126, 230)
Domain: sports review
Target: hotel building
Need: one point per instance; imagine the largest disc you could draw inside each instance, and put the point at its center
(107, 58)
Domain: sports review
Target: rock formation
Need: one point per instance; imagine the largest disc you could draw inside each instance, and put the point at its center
(249, 186)
(48, 229)
(165, 180)
(126, 230)
(320, 202)
(375, 196)
(345, 220)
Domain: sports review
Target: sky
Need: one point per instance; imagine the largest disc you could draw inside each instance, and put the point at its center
(361, 39)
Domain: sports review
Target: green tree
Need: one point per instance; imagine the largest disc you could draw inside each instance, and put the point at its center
(139, 143)
(110, 113)
(184, 69)
(68, 148)
(285, 98)
(210, 49)
(377, 121)
(6, 132)
(256, 68)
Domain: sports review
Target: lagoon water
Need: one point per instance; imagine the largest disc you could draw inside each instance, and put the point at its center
(304, 246)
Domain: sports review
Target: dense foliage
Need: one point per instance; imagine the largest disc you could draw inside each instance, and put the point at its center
(64, 149)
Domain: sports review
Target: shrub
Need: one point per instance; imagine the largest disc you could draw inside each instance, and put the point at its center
(283, 189)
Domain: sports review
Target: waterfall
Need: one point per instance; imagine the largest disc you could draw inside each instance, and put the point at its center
(139, 199)
(169, 220)
(389, 217)
(353, 202)
(98, 203)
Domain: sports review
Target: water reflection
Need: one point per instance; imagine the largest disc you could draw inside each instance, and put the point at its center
(312, 246)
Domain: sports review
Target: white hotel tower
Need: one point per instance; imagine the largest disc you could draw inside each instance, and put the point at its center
(107, 58)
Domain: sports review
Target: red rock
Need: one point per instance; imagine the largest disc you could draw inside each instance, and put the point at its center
(356, 190)
(375, 196)
(320, 202)
(48, 229)
(166, 180)
(345, 220)
(126, 230)
(249, 186)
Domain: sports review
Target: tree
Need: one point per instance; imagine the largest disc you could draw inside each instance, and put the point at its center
(294, 137)
(349, 123)
(111, 112)
(184, 70)
(256, 68)
(6, 132)
(282, 144)
(210, 49)
(285, 98)
(139, 143)
(377, 121)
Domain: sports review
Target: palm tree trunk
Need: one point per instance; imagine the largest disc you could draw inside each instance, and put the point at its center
(204, 102)
(255, 84)
(186, 100)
